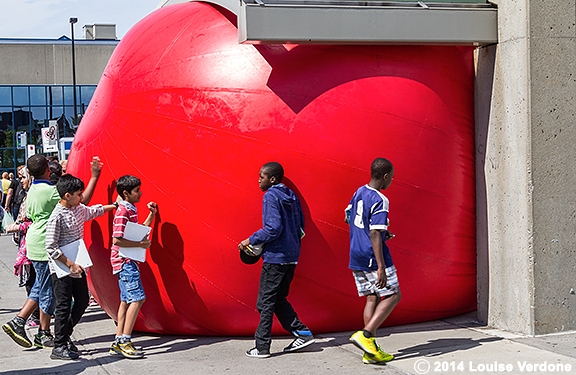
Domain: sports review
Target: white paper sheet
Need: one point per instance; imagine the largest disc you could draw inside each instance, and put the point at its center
(75, 251)
(135, 232)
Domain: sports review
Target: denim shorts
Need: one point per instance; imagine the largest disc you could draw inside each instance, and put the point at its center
(131, 289)
(41, 291)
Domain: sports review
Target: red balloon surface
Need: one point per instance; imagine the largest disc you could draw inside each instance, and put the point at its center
(194, 114)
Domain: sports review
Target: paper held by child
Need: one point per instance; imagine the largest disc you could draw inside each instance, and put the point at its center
(75, 251)
(134, 232)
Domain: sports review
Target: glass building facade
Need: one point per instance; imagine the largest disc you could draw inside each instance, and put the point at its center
(29, 108)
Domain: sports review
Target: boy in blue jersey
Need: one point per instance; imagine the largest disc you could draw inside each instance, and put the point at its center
(370, 259)
(283, 225)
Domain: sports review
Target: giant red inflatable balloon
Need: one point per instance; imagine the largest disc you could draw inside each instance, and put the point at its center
(194, 114)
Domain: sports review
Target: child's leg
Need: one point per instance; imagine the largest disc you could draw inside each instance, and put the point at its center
(131, 315)
(62, 321)
(44, 321)
(43, 293)
(372, 301)
(28, 309)
(270, 280)
(381, 312)
(132, 296)
(121, 318)
(283, 308)
(81, 298)
(29, 284)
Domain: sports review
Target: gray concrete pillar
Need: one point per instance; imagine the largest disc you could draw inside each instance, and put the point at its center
(526, 169)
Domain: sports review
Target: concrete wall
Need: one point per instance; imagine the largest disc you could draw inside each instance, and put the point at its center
(52, 63)
(553, 131)
(526, 134)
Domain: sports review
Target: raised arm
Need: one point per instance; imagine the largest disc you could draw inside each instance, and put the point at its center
(95, 168)
(153, 207)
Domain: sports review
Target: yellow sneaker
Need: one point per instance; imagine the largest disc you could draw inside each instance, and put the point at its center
(382, 355)
(366, 359)
(367, 344)
(128, 350)
(114, 349)
(381, 358)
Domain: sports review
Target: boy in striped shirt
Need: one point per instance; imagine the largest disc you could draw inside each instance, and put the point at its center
(132, 295)
(66, 225)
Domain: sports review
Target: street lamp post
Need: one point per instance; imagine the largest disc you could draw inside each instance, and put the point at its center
(73, 20)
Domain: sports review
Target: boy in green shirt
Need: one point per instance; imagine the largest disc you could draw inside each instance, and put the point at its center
(41, 200)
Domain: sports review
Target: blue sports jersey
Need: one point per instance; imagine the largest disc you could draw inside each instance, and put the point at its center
(367, 210)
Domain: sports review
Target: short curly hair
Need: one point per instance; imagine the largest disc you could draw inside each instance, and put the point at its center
(380, 167)
(37, 165)
(273, 169)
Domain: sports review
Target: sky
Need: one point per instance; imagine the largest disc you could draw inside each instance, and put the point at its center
(50, 18)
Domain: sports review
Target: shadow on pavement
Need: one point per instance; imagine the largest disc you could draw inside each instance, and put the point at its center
(442, 346)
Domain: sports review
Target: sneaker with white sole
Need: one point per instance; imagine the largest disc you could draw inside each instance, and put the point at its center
(302, 340)
(380, 359)
(115, 349)
(254, 353)
(128, 351)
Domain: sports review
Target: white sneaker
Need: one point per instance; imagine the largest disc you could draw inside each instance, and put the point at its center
(254, 353)
(300, 342)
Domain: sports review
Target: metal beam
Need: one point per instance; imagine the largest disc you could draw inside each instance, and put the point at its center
(456, 22)
(350, 22)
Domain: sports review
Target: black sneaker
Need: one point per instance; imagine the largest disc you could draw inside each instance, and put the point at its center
(301, 341)
(72, 347)
(62, 352)
(43, 339)
(17, 333)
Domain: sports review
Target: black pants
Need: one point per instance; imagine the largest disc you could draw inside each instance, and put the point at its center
(274, 287)
(66, 290)
(29, 284)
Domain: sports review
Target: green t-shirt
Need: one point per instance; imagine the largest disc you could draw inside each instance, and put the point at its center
(41, 200)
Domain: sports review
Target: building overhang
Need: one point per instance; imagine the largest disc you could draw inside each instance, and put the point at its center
(363, 22)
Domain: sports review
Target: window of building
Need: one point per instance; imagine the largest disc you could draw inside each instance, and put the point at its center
(31, 108)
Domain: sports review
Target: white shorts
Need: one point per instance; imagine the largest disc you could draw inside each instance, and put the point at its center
(366, 282)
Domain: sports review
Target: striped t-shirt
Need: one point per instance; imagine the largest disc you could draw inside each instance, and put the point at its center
(66, 225)
(126, 212)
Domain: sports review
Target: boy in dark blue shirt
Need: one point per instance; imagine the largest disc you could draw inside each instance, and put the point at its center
(370, 258)
(283, 228)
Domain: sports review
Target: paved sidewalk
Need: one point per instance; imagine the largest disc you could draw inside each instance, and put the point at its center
(452, 346)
